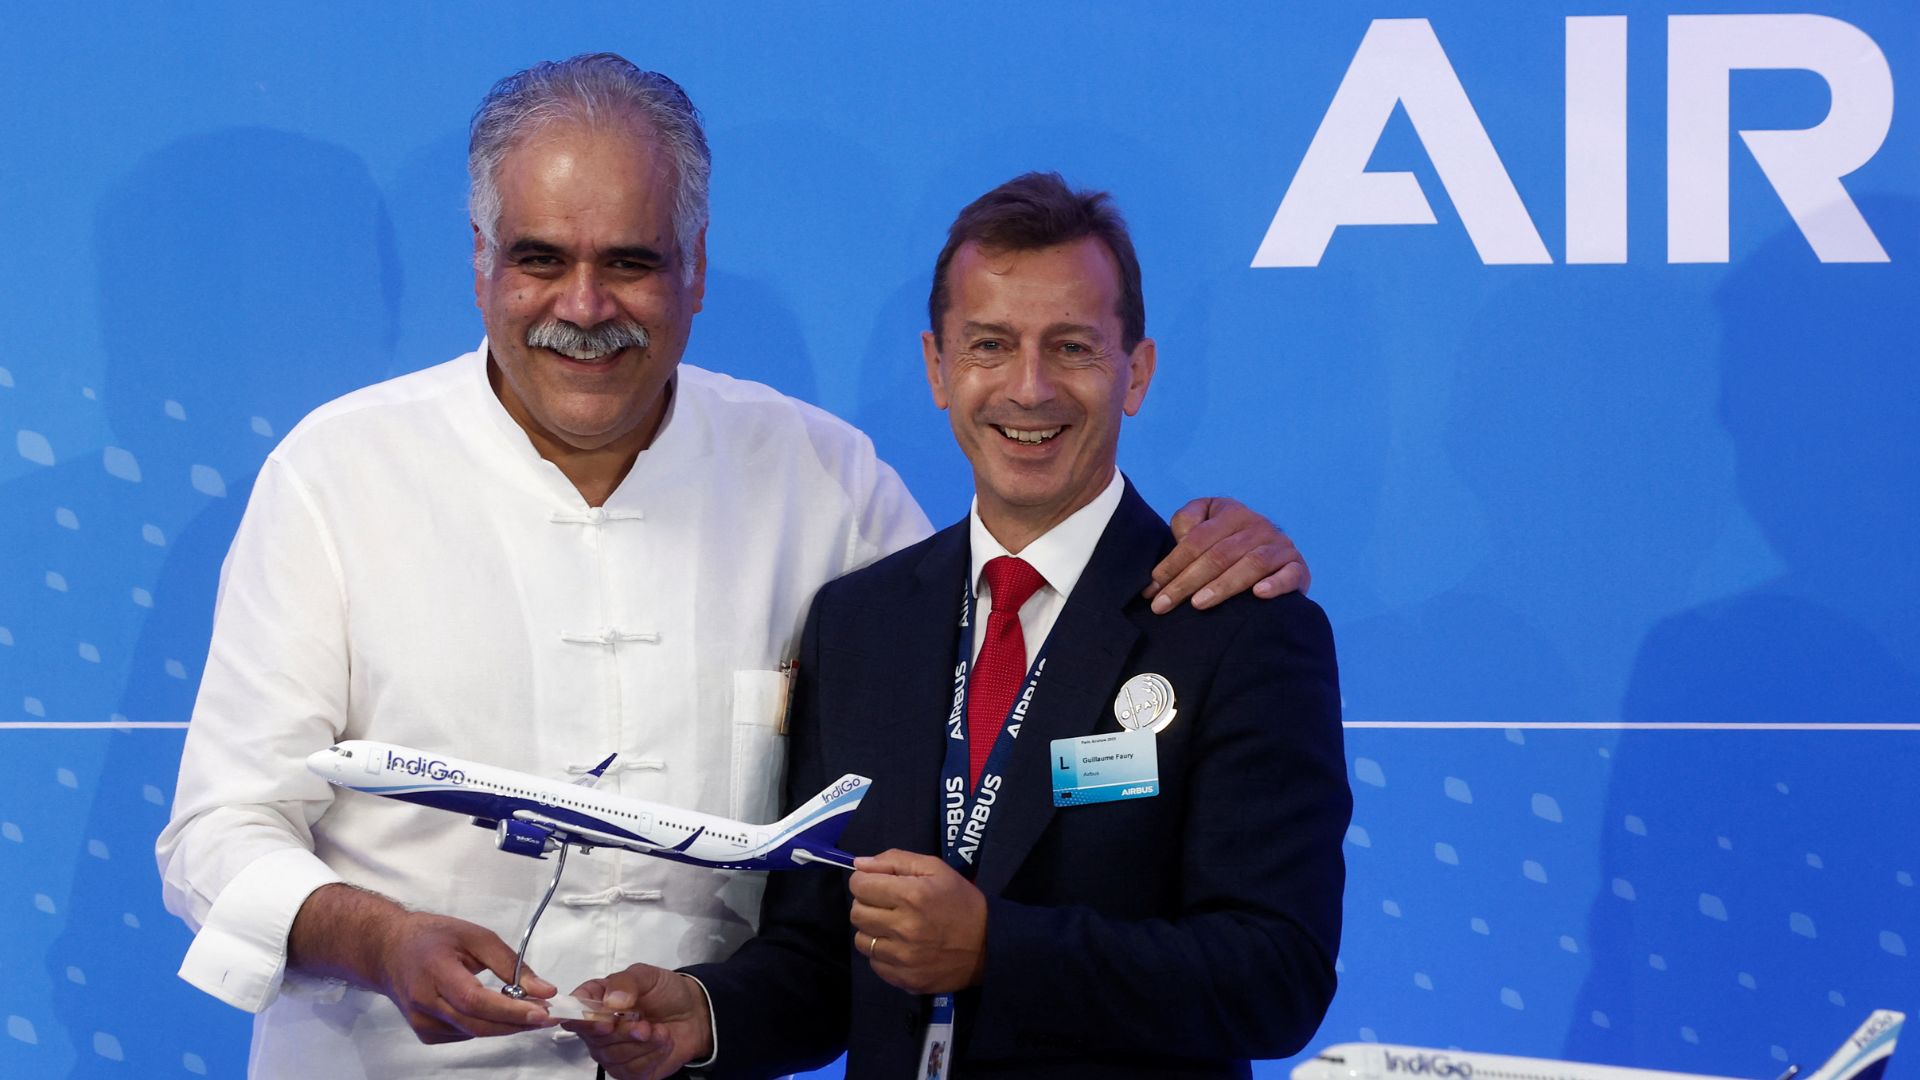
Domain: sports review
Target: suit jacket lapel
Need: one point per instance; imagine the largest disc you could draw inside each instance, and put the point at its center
(1086, 653)
(920, 628)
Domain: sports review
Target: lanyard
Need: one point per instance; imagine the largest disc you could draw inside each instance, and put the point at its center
(963, 819)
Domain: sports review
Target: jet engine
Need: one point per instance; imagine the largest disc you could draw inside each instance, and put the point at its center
(524, 838)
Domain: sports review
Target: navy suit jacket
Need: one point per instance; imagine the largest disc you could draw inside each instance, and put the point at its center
(1176, 935)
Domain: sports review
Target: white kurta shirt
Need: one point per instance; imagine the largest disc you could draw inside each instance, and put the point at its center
(411, 570)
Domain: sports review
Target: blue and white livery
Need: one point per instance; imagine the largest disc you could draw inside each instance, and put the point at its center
(1862, 1057)
(532, 816)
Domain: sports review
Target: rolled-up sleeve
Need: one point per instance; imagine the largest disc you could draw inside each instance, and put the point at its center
(236, 858)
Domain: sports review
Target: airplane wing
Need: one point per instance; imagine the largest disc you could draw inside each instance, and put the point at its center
(585, 837)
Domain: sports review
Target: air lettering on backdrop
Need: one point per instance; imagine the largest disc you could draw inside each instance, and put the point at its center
(1804, 167)
(1597, 139)
(1400, 62)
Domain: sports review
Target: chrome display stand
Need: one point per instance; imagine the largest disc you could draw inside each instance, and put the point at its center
(513, 989)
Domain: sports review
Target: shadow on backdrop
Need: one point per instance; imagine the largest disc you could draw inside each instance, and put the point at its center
(437, 317)
(896, 408)
(745, 330)
(791, 264)
(1773, 872)
(246, 276)
(1565, 398)
(1559, 427)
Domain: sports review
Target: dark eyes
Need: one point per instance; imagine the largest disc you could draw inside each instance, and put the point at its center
(1069, 348)
(544, 262)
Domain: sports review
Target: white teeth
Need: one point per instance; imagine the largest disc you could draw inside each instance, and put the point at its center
(582, 354)
(1031, 438)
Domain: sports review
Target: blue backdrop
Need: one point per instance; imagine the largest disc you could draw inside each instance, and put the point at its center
(1616, 536)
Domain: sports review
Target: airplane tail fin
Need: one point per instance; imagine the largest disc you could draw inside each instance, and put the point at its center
(1865, 1053)
(592, 778)
(811, 834)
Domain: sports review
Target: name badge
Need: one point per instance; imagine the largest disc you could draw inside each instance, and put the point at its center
(1105, 768)
(936, 1051)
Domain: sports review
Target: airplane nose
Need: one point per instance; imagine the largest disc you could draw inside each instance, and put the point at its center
(321, 762)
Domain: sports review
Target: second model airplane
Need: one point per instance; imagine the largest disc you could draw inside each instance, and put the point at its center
(1862, 1057)
(531, 815)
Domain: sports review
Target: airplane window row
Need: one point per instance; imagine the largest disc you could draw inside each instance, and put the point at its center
(736, 838)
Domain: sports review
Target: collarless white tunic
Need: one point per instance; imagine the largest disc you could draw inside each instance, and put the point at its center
(411, 570)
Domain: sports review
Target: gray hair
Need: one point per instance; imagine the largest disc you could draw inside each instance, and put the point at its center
(592, 88)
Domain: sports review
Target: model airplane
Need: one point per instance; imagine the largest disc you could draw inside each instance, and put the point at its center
(532, 816)
(1862, 1057)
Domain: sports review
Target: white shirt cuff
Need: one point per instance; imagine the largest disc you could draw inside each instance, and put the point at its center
(240, 953)
(713, 1028)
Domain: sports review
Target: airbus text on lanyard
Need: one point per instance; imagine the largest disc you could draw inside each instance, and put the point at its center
(963, 820)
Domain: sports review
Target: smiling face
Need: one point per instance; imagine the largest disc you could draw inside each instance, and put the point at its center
(585, 242)
(1029, 366)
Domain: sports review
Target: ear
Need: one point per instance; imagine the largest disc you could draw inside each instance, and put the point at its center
(1139, 375)
(698, 286)
(936, 379)
(479, 268)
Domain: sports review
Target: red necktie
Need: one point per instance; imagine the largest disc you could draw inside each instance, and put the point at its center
(1002, 664)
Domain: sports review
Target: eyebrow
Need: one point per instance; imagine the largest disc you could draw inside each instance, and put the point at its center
(528, 245)
(1051, 330)
(1076, 329)
(637, 253)
(970, 328)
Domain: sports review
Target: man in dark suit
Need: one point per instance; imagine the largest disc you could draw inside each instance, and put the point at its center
(1108, 841)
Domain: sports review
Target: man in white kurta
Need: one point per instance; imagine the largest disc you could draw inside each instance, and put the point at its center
(411, 570)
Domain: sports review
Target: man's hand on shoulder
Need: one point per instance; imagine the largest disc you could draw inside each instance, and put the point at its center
(673, 1025)
(1224, 549)
(425, 963)
(922, 926)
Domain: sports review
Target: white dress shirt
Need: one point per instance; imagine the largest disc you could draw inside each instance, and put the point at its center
(411, 570)
(1060, 555)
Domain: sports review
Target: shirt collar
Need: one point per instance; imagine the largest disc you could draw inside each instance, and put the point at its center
(1061, 553)
(672, 444)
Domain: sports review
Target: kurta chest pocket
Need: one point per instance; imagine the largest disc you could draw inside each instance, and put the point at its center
(759, 752)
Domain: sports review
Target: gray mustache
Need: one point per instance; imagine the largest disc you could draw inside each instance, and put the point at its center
(565, 337)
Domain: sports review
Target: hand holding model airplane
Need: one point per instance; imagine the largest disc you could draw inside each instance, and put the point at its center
(531, 816)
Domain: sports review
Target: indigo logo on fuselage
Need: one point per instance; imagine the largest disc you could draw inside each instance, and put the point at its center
(431, 768)
(1429, 1065)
